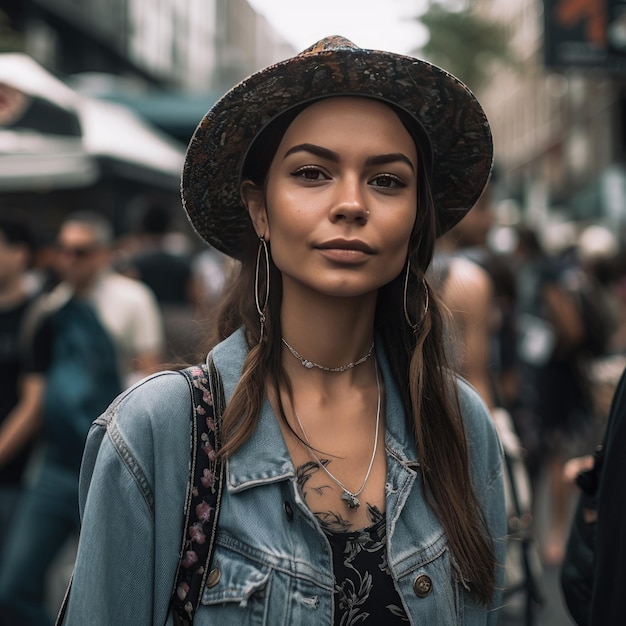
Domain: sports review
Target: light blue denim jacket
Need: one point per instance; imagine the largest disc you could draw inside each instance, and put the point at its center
(275, 563)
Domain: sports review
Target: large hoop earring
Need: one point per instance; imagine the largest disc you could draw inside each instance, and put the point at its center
(261, 309)
(413, 326)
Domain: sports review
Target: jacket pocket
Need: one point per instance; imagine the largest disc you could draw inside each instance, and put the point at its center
(431, 589)
(237, 589)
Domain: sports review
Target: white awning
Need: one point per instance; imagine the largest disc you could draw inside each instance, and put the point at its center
(37, 162)
(112, 139)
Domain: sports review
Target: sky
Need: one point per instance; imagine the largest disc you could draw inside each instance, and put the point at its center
(379, 24)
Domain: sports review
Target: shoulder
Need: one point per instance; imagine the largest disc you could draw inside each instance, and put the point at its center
(141, 439)
(154, 408)
(469, 274)
(44, 307)
(127, 289)
(468, 289)
(229, 356)
(137, 452)
(477, 420)
(154, 395)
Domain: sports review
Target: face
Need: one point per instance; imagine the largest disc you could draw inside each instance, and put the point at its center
(79, 255)
(340, 198)
(13, 260)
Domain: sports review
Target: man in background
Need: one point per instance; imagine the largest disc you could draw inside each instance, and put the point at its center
(94, 334)
(19, 396)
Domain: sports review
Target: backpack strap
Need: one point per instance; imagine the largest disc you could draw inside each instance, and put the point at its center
(204, 490)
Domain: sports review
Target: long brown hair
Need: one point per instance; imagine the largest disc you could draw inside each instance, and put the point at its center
(428, 392)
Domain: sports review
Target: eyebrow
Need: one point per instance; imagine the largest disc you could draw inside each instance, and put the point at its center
(330, 155)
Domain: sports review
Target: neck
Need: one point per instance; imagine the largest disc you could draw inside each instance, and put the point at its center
(83, 288)
(331, 332)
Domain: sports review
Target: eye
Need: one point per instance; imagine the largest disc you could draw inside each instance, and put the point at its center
(387, 181)
(310, 172)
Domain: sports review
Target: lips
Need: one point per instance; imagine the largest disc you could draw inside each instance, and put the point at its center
(346, 244)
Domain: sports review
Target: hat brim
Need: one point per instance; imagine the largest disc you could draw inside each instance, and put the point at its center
(447, 110)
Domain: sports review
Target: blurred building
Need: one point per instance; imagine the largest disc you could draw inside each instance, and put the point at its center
(165, 61)
(559, 115)
(196, 44)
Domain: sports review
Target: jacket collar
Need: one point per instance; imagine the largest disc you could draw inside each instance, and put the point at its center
(264, 457)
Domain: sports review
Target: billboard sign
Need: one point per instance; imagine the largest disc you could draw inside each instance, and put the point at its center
(585, 34)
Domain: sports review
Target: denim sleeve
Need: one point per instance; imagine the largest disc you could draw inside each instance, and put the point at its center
(487, 462)
(133, 482)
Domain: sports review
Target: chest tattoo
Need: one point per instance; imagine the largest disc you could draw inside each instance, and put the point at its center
(331, 520)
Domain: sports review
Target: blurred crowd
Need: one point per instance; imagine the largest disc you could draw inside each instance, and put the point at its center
(542, 315)
(81, 320)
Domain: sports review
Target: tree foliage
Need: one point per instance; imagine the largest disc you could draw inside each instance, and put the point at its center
(463, 42)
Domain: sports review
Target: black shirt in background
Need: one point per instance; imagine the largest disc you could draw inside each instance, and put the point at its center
(12, 367)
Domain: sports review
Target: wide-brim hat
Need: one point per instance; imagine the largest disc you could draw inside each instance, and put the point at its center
(448, 112)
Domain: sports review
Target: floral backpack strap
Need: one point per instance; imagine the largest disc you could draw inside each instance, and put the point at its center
(204, 491)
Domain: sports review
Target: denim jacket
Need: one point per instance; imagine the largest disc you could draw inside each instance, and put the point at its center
(273, 561)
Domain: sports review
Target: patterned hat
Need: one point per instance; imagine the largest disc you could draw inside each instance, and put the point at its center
(444, 107)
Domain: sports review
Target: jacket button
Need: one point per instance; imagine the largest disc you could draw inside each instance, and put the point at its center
(214, 577)
(288, 510)
(422, 586)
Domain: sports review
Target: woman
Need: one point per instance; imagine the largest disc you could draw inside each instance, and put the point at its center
(363, 481)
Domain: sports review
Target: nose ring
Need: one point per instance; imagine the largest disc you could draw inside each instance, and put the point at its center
(367, 213)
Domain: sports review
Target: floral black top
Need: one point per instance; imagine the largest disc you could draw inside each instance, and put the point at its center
(364, 590)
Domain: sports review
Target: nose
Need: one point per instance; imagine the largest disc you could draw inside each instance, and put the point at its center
(349, 204)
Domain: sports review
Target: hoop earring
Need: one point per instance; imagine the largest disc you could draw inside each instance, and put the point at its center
(414, 327)
(261, 309)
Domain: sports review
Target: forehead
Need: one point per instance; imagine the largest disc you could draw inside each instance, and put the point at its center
(77, 232)
(351, 114)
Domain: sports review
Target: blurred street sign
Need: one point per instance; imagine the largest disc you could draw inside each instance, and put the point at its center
(585, 34)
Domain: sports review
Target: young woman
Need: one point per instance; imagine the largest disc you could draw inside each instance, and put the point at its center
(363, 480)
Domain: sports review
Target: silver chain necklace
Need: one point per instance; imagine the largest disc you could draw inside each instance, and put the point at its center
(350, 497)
(342, 368)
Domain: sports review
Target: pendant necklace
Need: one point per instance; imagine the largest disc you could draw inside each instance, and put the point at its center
(348, 496)
(342, 368)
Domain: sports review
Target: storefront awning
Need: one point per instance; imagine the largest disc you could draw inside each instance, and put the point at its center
(53, 137)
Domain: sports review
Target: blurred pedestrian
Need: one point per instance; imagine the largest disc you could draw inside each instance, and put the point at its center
(20, 395)
(469, 294)
(554, 388)
(87, 339)
(597, 278)
(171, 277)
(363, 479)
(481, 349)
(594, 568)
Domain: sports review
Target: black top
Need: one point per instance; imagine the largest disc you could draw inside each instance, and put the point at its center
(12, 366)
(607, 605)
(364, 589)
(167, 274)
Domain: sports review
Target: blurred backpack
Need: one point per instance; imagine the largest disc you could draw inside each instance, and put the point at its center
(83, 375)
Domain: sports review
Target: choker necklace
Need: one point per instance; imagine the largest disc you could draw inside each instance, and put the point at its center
(348, 496)
(342, 368)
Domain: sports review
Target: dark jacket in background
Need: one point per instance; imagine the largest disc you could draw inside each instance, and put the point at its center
(607, 604)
